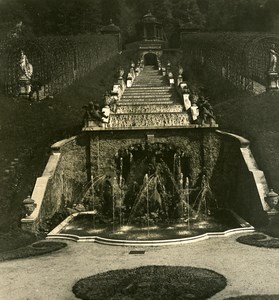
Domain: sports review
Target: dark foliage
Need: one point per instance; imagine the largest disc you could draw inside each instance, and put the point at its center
(151, 282)
(66, 17)
(35, 249)
(259, 240)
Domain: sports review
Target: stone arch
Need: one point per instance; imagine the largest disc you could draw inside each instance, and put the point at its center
(150, 58)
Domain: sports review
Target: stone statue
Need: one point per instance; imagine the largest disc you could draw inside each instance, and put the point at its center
(121, 72)
(16, 31)
(206, 111)
(92, 112)
(25, 67)
(273, 59)
(25, 74)
(106, 114)
(180, 70)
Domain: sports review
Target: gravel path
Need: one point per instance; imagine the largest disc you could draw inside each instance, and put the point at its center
(249, 270)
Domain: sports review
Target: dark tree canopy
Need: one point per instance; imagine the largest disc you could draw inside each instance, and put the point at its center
(65, 17)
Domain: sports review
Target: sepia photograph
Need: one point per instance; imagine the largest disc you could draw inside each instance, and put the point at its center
(139, 149)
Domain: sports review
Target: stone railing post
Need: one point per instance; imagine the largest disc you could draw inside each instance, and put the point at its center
(170, 77)
(129, 80)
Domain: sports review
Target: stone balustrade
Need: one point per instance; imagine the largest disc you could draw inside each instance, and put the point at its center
(149, 120)
(138, 109)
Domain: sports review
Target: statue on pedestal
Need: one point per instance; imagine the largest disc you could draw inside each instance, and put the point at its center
(273, 59)
(25, 75)
(206, 111)
(272, 74)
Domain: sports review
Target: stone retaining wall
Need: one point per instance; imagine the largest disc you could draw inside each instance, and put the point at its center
(61, 183)
(226, 160)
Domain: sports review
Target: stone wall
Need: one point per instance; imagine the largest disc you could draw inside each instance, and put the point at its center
(225, 159)
(217, 156)
(240, 180)
(105, 145)
(61, 183)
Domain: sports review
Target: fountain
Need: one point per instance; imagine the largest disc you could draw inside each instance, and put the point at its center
(147, 194)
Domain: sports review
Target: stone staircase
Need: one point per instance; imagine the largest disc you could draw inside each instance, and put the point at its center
(150, 102)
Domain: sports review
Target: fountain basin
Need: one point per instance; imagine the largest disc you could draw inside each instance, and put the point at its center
(79, 227)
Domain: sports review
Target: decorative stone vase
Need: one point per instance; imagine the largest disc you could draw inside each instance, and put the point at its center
(272, 200)
(29, 206)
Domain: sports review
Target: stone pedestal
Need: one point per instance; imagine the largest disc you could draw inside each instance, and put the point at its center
(129, 80)
(179, 80)
(272, 81)
(24, 86)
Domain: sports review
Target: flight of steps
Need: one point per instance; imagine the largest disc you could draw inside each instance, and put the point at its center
(149, 88)
(150, 102)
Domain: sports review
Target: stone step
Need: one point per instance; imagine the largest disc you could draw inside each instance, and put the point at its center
(165, 96)
(148, 102)
(164, 87)
(147, 108)
(148, 85)
(149, 120)
(155, 78)
(159, 94)
(131, 98)
(147, 80)
(133, 90)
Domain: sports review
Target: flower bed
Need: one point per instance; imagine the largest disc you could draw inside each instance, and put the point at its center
(35, 249)
(151, 282)
(259, 240)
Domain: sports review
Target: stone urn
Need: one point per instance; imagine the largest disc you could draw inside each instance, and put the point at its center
(121, 72)
(180, 70)
(29, 206)
(272, 200)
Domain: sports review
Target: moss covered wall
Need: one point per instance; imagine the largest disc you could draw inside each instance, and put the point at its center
(66, 184)
(218, 157)
(200, 146)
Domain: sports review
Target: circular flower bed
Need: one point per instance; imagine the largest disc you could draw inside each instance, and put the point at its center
(151, 282)
(259, 240)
